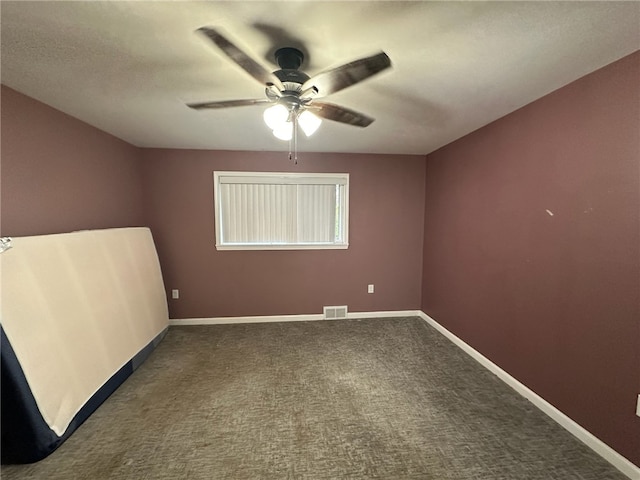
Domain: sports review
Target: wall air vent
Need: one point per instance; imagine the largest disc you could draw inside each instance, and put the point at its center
(334, 313)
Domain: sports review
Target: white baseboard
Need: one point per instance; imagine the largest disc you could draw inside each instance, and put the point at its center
(288, 318)
(234, 320)
(605, 451)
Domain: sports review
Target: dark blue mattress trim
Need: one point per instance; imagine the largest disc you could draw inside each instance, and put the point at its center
(26, 437)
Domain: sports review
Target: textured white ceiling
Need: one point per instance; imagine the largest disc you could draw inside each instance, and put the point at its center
(129, 67)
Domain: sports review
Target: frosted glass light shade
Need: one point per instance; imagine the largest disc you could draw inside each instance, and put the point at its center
(284, 131)
(309, 122)
(276, 116)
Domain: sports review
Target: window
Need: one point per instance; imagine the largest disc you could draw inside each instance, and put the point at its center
(281, 211)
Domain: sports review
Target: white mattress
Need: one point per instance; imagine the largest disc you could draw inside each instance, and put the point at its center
(76, 307)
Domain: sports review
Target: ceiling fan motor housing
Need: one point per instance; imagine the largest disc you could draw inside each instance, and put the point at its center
(295, 77)
(290, 59)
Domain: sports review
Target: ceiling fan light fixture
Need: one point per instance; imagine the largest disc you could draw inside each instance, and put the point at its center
(309, 122)
(276, 116)
(284, 131)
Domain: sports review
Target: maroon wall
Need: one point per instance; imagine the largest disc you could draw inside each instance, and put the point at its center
(60, 174)
(552, 299)
(385, 235)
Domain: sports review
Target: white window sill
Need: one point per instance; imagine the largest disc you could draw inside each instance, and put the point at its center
(311, 246)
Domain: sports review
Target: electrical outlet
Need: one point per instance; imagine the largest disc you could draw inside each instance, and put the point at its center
(370, 288)
(638, 406)
(175, 293)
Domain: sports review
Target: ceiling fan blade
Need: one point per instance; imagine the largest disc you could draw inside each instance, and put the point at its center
(252, 67)
(336, 79)
(228, 103)
(340, 114)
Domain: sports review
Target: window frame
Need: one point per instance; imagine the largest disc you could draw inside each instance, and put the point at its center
(285, 178)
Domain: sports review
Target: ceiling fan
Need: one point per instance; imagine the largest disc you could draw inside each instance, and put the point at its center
(292, 93)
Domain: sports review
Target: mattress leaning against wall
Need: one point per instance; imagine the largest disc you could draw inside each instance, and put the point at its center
(80, 311)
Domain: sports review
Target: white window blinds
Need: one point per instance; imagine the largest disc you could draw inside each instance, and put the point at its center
(281, 210)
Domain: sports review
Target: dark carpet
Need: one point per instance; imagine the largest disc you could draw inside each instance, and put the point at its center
(349, 399)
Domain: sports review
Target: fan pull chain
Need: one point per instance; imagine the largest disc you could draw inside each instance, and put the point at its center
(295, 139)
